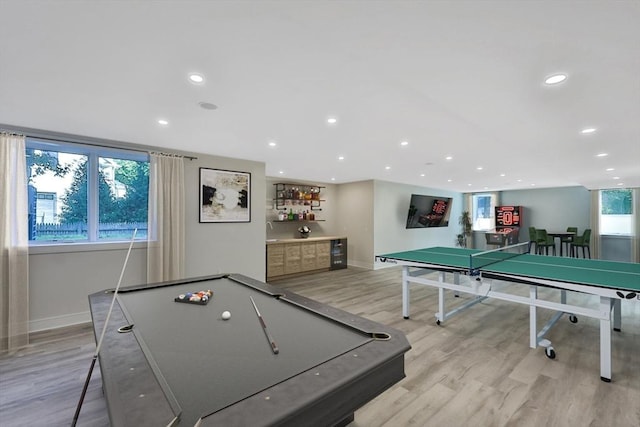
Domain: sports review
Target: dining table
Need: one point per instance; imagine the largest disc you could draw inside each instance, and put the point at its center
(561, 235)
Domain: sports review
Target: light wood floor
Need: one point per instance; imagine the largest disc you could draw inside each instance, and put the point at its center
(474, 370)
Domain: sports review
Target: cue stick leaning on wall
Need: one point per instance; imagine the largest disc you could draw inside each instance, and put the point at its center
(104, 329)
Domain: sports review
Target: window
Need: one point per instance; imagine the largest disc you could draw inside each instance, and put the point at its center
(482, 213)
(85, 193)
(616, 211)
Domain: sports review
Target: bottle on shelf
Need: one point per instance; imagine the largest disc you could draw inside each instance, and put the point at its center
(290, 216)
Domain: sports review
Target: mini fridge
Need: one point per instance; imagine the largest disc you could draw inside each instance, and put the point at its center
(338, 254)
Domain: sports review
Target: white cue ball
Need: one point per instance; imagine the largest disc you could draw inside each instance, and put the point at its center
(226, 315)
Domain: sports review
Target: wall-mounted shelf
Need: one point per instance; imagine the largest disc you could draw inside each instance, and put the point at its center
(296, 220)
(290, 195)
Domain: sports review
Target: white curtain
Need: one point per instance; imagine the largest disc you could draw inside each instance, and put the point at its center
(595, 224)
(166, 222)
(14, 244)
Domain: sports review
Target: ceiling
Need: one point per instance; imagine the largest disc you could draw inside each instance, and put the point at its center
(456, 78)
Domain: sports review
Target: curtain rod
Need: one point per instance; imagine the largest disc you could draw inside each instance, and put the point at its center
(8, 132)
(77, 140)
(96, 144)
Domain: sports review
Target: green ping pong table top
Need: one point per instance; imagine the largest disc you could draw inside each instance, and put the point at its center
(591, 272)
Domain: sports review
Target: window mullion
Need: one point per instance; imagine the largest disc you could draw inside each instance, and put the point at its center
(92, 195)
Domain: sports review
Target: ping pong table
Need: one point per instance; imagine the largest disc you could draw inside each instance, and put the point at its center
(610, 281)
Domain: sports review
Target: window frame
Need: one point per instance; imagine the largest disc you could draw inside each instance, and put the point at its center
(607, 231)
(93, 152)
(492, 204)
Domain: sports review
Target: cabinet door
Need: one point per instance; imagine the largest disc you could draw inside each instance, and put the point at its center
(275, 260)
(292, 258)
(323, 251)
(308, 256)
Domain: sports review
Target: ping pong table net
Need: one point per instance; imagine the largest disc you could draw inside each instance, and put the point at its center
(480, 260)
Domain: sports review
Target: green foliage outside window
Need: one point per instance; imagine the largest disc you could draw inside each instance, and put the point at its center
(130, 208)
(616, 202)
(135, 176)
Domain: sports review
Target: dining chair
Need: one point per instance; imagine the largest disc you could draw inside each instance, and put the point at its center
(532, 238)
(581, 242)
(566, 241)
(544, 242)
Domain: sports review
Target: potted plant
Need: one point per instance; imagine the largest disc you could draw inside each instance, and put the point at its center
(465, 222)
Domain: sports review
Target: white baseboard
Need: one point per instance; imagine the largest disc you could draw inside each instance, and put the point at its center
(59, 321)
(359, 264)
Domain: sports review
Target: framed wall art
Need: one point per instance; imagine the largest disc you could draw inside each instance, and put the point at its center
(225, 196)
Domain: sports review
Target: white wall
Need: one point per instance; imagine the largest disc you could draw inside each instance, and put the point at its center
(391, 206)
(226, 247)
(355, 216)
(553, 209)
(61, 278)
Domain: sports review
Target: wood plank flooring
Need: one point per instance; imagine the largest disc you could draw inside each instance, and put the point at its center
(474, 370)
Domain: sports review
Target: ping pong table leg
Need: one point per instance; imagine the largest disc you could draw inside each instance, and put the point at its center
(440, 316)
(605, 338)
(533, 317)
(405, 291)
(617, 315)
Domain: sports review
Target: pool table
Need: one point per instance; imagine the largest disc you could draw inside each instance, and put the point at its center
(165, 362)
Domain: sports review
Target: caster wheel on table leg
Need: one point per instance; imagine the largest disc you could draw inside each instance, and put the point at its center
(573, 318)
(550, 352)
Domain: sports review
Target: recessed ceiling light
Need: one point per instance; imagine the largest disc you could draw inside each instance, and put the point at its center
(163, 122)
(486, 188)
(588, 130)
(281, 172)
(333, 179)
(207, 105)
(602, 155)
(616, 177)
(621, 183)
(332, 120)
(421, 174)
(340, 157)
(196, 78)
(469, 185)
(449, 180)
(555, 79)
(610, 169)
(479, 168)
(519, 180)
(449, 158)
(503, 174)
(387, 167)
(404, 143)
(272, 143)
(533, 185)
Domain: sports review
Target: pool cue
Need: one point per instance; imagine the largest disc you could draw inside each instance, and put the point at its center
(104, 329)
(272, 343)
